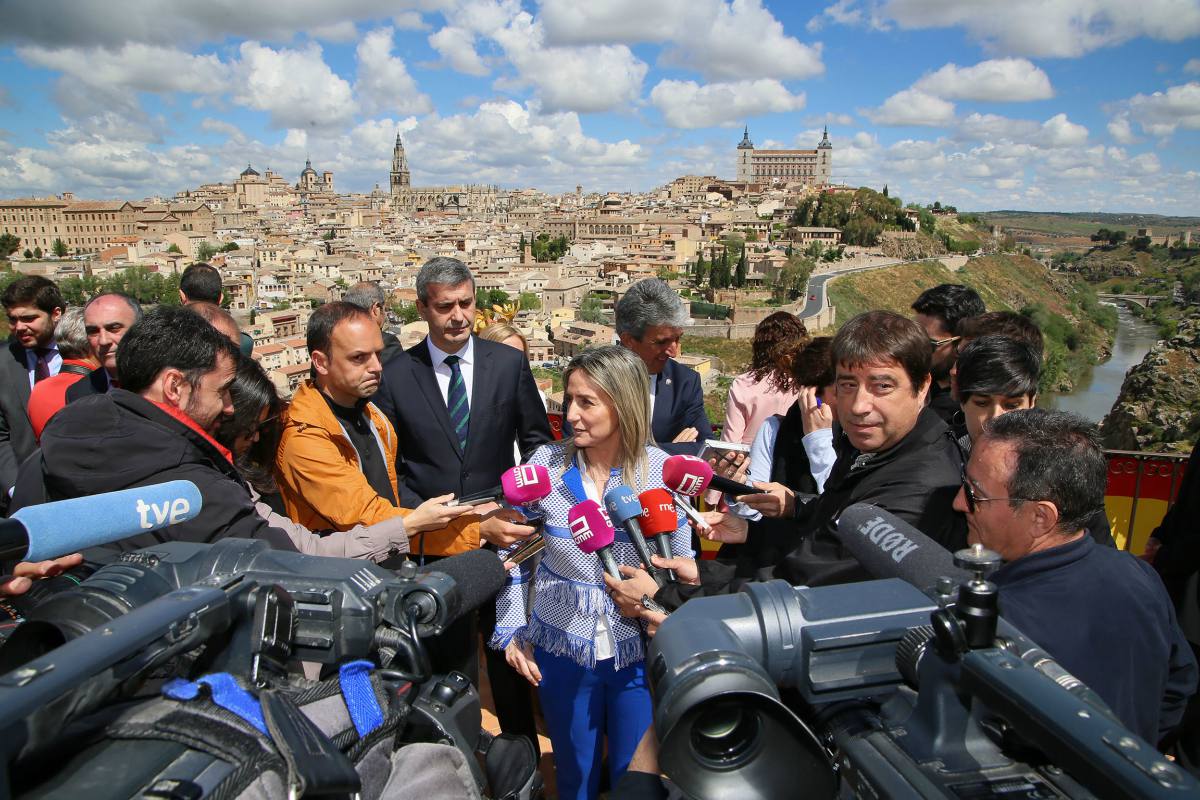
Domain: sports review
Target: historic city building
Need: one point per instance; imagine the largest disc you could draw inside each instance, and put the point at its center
(473, 198)
(811, 167)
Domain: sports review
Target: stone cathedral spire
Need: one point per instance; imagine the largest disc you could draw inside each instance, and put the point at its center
(400, 177)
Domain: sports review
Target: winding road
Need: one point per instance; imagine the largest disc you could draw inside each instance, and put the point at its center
(816, 294)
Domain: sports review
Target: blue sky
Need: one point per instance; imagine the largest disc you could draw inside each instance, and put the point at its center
(1033, 104)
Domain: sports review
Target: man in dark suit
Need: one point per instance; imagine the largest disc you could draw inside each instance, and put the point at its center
(106, 318)
(34, 306)
(650, 322)
(458, 403)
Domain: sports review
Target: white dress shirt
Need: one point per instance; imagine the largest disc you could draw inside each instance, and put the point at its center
(653, 393)
(441, 370)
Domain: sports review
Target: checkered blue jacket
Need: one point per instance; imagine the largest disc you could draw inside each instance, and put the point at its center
(568, 588)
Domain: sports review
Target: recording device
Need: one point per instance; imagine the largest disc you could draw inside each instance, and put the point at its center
(659, 521)
(691, 475)
(715, 448)
(890, 692)
(623, 508)
(50, 530)
(519, 485)
(593, 533)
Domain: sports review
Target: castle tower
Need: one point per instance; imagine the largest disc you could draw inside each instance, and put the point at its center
(401, 180)
(745, 153)
(825, 159)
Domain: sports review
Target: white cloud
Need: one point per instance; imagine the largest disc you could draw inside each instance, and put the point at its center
(738, 40)
(1120, 129)
(1051, 28)
(1192, 66)
(1058, 131)
(592, 78)
(340, 32)
(998, 80)
(989, 127)
(383, 83)
(686, 104)
(911, 107)
(457, 47)
(1161, 113)
(295, 87)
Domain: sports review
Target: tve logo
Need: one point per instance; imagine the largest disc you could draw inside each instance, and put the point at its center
(156, 515)
(887, 538)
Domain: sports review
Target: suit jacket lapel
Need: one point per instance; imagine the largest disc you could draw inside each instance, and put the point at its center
(19, 370)
(664, 401)
(427, 382)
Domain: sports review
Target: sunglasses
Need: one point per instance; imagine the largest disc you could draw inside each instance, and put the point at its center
(936, 343)
(973, 498)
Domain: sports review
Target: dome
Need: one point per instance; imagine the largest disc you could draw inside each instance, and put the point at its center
(249, 172)
(308, 168)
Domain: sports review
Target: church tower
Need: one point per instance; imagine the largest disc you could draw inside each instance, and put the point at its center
(401, 180)
(745, 156)
(825, 159)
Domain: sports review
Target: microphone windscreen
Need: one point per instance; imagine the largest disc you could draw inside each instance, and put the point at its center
(622, 504)
(590, 526)
(68, 526)
(478, 576)
(889, 547)
(525, 483)
(689, 475)
(658, 512)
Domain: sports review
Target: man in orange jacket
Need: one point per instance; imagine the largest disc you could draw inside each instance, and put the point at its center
(336, 460)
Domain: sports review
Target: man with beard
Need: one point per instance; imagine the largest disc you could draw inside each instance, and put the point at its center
(336, 463)
(939, 311)
(174, 371)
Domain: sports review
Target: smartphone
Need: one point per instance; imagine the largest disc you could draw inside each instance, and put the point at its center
(528, 549)
(714, 448)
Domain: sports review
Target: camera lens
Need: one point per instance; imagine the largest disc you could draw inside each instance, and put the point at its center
(726, 734)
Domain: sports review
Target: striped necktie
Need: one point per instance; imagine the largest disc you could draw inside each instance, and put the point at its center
(41, 364)
(456, 402)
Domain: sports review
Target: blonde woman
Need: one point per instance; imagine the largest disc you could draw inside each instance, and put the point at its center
(584, 657)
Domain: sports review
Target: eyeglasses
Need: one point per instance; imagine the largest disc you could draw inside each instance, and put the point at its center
(936, 343)
(974, 499)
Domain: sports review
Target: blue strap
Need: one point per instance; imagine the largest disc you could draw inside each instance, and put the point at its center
(574, 483)
(359, 696)
(225, 691)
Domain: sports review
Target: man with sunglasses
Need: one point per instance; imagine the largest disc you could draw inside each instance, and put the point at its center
(1034, 479)
(939, 311)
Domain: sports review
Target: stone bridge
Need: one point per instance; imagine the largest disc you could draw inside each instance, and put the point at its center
(1142, 300)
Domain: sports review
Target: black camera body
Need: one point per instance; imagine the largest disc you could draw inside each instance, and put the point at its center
(877, 689)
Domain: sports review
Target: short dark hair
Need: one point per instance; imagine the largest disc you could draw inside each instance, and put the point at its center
(998, 365)
(881, 336)
(1003, 323)
(201, 283)
(326, 318)
(1058, 459)
(951, 303)
(777, 339)
(33, 290)
(169, 337)
(252, 391)
(133, 304)
(812, 366)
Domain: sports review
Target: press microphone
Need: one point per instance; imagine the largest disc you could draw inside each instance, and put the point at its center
(691, 475)
(453, 587)
(593, 533)
(519, 485)
(625, 510)
(659, 521)
(888, 547)
(50, 530)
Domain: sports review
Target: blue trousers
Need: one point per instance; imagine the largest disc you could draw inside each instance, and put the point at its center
(581, 706)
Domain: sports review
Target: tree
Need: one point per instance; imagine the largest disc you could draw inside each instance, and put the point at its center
(700, 271)
(28, 253)
(174, 248)
(530, 301)
(591, 309)
(60, 248)
(205, 251)
(792, 280)
(8, 244)
(885, 192)
(37, 253)
(521, 247)
(329, 235)
(862, 230)
(406, 312)
(739, 277)
(230, 247)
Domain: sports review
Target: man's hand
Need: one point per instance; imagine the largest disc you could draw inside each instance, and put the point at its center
(434, 514)
(686, 435)
(724, 527)
(1151, 550)
(25, 573)
(686, 569)
(777, 501)
(520, 658)
(503, 528)
(729, 464)
(627, 594)
(812, 415)
(653, 619)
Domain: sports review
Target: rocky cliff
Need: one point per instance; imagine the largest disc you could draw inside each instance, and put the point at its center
(1159, 405)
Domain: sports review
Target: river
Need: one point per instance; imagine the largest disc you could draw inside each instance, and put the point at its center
(1096, 393)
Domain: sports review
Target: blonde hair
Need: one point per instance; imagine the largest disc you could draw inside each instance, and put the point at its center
(499, 331)
(621, 375)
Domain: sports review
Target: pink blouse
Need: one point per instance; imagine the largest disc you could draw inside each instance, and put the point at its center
(749, 404)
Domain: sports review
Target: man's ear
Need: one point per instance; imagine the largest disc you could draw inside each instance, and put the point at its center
(175, 387)
(923, 391)
(1045, 518)
(626, 340)
(320, 362)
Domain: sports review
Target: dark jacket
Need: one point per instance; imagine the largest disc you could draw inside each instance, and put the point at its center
(391, 348)
(16, 433)
(1178, 557)
(916, 480)
(1106, 618)
(118, 441)
(95, 382)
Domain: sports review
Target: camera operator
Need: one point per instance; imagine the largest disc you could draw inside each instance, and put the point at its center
(1033, 480)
